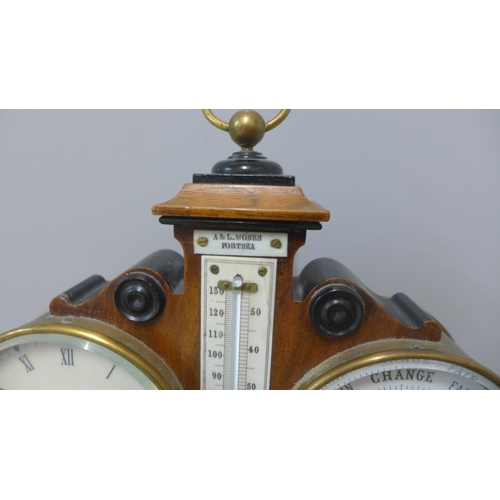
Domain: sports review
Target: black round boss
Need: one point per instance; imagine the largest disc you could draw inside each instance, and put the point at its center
(336, 310)
(139, 297)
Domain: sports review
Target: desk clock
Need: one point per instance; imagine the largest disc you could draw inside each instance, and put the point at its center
(229, 313)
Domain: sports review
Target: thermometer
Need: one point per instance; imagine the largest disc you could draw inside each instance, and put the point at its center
(237, 311)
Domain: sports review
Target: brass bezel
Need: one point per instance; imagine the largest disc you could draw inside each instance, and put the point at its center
(106, 336)
(390, 350)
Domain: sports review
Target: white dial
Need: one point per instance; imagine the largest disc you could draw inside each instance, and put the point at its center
(78, 353)
(412, 374)
(55, 362)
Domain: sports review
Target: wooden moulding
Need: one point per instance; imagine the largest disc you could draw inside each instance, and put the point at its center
(297, 347)
(233, 201)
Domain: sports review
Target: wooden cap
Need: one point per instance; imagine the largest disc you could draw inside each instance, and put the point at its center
(246, 202)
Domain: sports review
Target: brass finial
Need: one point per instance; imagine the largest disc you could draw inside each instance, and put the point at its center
(246, 127)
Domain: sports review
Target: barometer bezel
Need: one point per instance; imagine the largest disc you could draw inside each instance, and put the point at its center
(386, 351)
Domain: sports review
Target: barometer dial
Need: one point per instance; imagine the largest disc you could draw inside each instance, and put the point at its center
(403, 369)
(412, 374)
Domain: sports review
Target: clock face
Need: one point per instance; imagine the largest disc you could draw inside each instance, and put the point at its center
(75, 353)
(52, 361)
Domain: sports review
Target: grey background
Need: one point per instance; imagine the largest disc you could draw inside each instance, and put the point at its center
(413, 195)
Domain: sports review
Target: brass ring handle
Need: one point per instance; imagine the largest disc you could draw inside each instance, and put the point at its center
(215, 121)
(277, 119)
(225, 126)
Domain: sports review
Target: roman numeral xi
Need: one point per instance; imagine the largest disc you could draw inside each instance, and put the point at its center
(26, 362)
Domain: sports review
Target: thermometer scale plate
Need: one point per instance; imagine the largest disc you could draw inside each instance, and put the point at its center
(237, 309)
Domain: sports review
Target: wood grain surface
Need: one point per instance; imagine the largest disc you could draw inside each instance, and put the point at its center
(232, 201)
(297, 347)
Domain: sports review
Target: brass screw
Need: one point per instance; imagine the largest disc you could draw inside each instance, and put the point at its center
(202, 241)
(276, 243)
(262, 271)
(214, 269)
